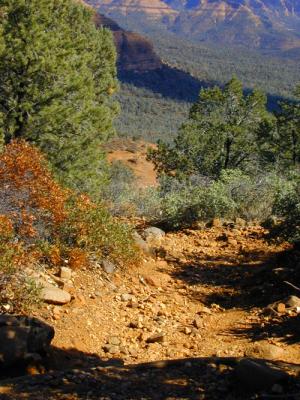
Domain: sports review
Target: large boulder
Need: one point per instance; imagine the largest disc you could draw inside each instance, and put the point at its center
(21, 338)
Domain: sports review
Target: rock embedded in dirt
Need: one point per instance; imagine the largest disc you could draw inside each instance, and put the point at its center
(21, 338)
(153, 233)
(265, 350)
(204, 310)
(156, 338)
(108, 266)
(53, 295)
(256, 376)
(198, 323)
(112, 349)
(240, 222)
(216, 223)
(126, 297)
(66, 273)
(281, 308)
(114, 340)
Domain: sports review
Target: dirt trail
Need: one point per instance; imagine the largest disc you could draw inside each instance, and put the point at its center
(203, 296)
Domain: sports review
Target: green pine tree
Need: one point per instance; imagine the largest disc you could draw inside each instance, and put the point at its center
(219, 134)
(57, 72)
(288, 132)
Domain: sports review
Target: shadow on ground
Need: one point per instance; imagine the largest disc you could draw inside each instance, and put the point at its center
(248, 280)
(84, 376)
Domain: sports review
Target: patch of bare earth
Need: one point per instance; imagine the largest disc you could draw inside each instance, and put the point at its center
(133, 154)
(203, 301)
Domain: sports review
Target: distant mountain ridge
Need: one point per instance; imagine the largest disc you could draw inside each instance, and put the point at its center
(261, 24)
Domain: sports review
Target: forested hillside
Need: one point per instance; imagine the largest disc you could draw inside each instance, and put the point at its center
(189, 65)
(200, 65)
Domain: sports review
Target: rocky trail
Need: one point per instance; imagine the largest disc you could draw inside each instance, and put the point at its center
(195, 321)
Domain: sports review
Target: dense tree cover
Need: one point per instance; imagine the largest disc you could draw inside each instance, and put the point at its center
(219, 134)
(148, 115)
(288, 127)
(56, 73)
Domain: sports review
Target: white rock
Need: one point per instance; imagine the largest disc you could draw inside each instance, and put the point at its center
(54, 295)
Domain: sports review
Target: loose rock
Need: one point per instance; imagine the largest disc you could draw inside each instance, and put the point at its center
(66, 273)
(53, 295)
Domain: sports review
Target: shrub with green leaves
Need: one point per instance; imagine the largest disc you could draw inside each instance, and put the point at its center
(287, 208)
(91, 228)
(234, 194)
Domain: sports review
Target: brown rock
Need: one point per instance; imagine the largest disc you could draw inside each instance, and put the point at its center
(198, 323)
(156, 338)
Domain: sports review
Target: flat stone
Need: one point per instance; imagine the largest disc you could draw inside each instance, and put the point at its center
(53, 295)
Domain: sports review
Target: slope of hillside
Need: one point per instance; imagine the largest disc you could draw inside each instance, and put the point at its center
(135, 52)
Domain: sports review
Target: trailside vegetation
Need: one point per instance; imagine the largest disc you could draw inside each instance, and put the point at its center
(57, 74)
(43, 223)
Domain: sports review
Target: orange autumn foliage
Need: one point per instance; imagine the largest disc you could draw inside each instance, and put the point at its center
(50, 224)
(77, 258)
(27, 190)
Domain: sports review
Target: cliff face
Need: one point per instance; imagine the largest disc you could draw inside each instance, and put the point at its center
(135, 52)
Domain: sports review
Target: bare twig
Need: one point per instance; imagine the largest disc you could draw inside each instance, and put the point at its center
(293, 286)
